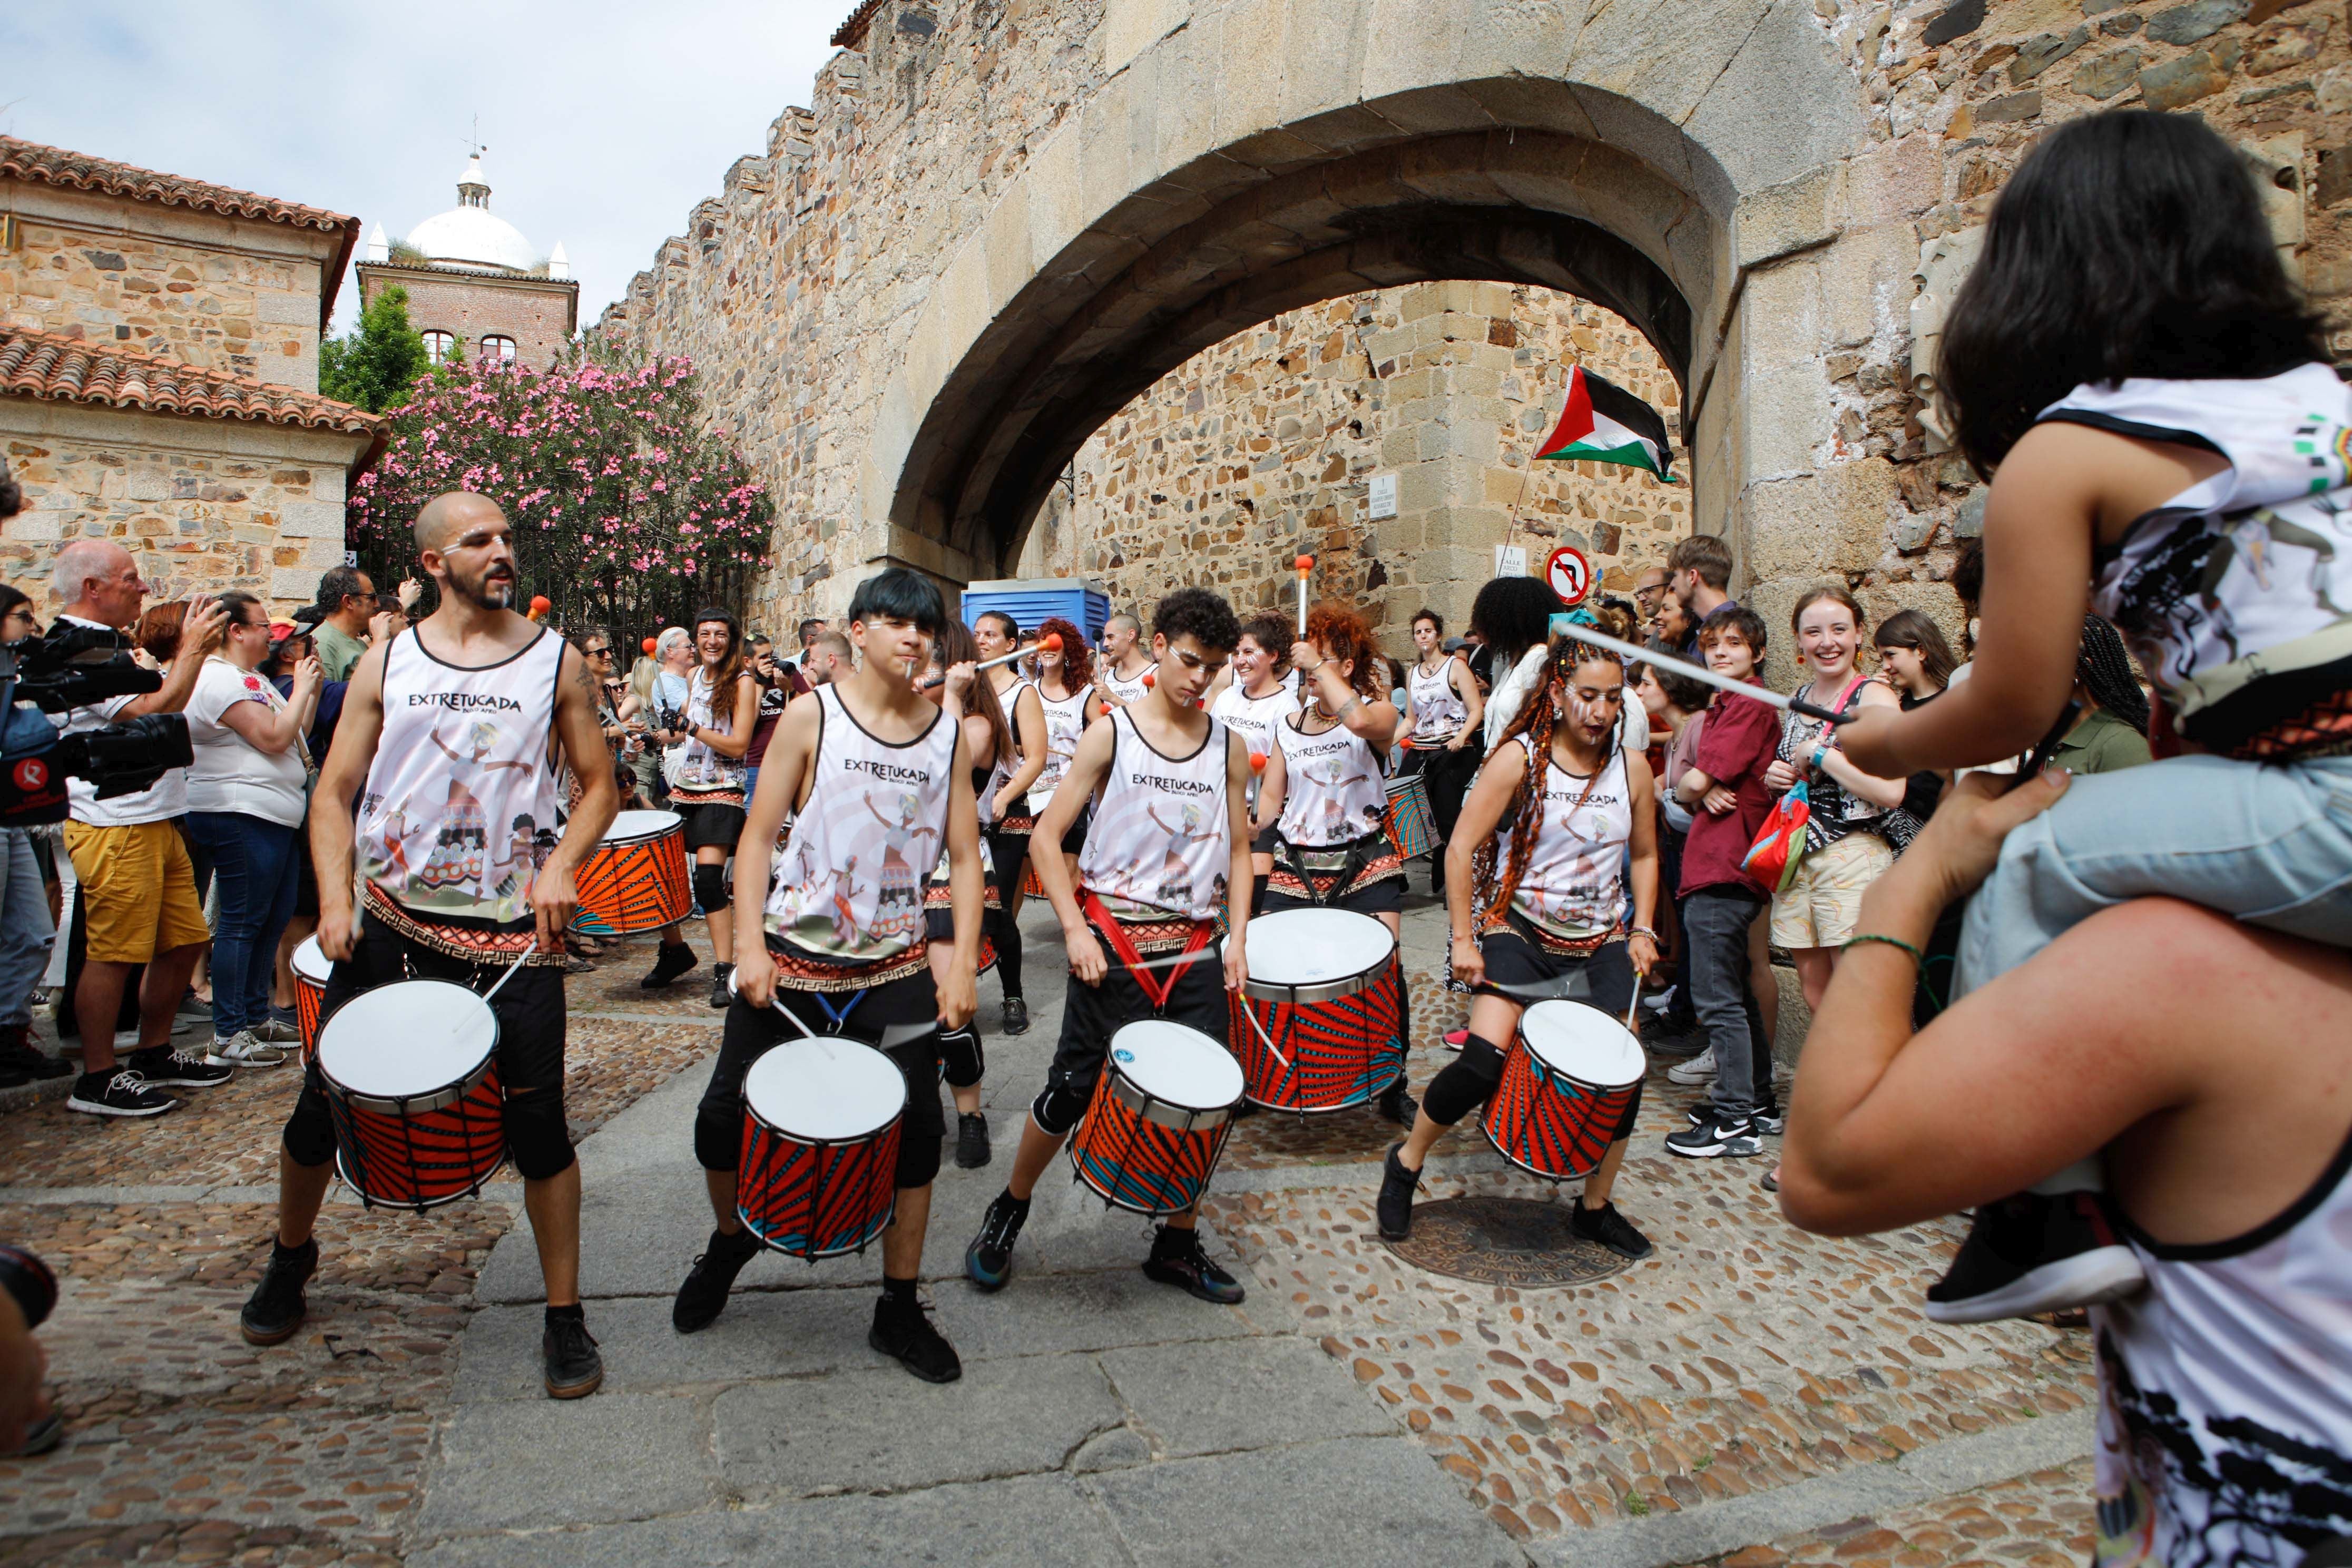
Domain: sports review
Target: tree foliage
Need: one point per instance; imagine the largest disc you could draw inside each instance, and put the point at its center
(627, 512)
(376, 364)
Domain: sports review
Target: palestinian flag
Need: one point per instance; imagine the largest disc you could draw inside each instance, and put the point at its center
(1606, 424)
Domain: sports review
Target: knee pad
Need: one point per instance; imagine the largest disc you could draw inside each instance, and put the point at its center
(1464, 1084)
(925, 1125)
(311, 1132)
(961, 1051)
(719, 1135)
(1057, 1108)
(536, 1135)
(711, 887)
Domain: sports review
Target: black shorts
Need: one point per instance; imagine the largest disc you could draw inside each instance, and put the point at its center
(1603, 978)
(1384, 897)
(1092, 1014)
(750, 1033)
(528, 1008)
(709, 822)
(1076, 838)
(1008, 852)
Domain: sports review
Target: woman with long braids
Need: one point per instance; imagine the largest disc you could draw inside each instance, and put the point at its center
(1324, 791)
(2169, 445)
(2112, 733)
(967, 699)
(1535, 893)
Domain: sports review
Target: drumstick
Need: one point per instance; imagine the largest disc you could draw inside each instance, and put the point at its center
(520, 959)
(1263, 1038)
(1306, 564)
(1700, 672)
(1052, 644)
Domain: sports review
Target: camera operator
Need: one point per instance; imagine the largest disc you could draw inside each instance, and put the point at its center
(775, 683)
(25, 930)
(138, 887)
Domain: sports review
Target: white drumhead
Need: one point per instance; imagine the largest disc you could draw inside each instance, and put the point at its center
(310, 962)
(407, 1037)
(1585, 1043)
(636, 826)
(1315, 947)
(1180, 1066)
(825, 1090)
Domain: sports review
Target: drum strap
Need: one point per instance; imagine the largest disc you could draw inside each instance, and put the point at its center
(1147, 981)
(838, 1017)
(1360, 853)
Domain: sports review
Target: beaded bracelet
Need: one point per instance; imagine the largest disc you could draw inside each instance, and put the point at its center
(1856, 940)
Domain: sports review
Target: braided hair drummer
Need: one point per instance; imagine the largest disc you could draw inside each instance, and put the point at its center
(1323, 792)
(1535, 896)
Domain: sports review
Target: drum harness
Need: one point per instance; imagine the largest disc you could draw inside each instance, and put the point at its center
(1155, 991)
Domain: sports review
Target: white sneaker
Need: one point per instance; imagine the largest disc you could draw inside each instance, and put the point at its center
(1698, 1069)
(242, 1050)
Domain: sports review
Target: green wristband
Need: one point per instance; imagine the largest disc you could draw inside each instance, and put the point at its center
(1917, 957)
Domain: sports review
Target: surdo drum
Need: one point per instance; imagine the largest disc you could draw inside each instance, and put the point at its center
(635, 878)
(1324, 986)
(412, 1085)
(310, 971)
(818, 1175)
(1159, 1118)
(1412, 828)
(1571, 1073)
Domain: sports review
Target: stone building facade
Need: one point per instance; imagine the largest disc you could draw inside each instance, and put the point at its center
(159, 372)
(997, 224)
(1273, 438)
(537, 315)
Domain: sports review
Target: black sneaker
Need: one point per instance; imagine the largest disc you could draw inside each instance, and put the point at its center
(122, 1092)
(1717, 1136)
(972, 1141)
(1016, 1015)
(1177, 1259)
(905, 1334)
(704, 1295)
(2036, 1254)
(719, 994)
(1770, 1118)
(1397, 1105)
(988, 1261)
(1607, 1227)
(170, 1067)
(40, 1436)
(18, 1054)
(673, 960)
(14, 1077)
(277, 1306)
(1394, 1206)
(568, 1351)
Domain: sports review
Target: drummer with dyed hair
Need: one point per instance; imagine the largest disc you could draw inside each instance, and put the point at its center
(466, 719)
(831, 928)
(1534, 895)
(1166, 845)
(1325, 792)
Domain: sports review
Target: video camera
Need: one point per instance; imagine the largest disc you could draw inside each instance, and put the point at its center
(79, 666)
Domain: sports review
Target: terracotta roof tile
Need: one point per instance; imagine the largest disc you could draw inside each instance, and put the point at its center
(56, 166)
(59, 369)
(851, 35)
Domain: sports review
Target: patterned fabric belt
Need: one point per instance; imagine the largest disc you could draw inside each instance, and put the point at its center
(1518, 925)
(797, 972)
(938, 895)
(1321, 873)
(475, 944)
(1018, 827)
(1171, 935)
(2322, 729)
(721, 796)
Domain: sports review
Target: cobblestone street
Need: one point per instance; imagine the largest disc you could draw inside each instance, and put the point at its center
(1747, 1394)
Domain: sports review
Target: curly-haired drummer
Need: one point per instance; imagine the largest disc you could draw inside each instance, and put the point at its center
(875, 777)
(1325, 792)
(460, 729)
(1535, 893)
(1167, 843)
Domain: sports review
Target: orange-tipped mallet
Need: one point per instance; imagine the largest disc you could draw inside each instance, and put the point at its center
(648, 644)
(1150, 679)
(1305, 565)
(1257, 762)
(540, 604)
(1050, 643)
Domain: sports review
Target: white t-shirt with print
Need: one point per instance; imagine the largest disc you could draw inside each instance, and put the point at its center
(161, 801)
(232, 774)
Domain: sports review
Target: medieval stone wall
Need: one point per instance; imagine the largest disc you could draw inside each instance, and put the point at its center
(1269, 444)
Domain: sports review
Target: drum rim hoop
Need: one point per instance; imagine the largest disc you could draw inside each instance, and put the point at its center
(895, 1117)
(633, 840)
(1321, 991)
(368, 1200)
(423, 1104)
(1519, 1042)
(819, 1254)
(1149, 1106)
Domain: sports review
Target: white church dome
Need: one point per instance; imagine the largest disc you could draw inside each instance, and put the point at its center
(469, 235)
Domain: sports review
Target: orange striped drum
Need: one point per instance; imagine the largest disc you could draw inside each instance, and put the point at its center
(412, 1084)
(1160, 1117)
(635, 880)
(310, 971)
(1573, 1078)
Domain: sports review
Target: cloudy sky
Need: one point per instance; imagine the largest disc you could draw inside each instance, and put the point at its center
(606, 122)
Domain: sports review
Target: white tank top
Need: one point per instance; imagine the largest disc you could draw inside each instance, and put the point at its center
(1124, 689)
(2237, 594)
(1438, 711)
(1158, 842)
(1331, 788)
(1065, 722)
(698, 767)
(849, 883)
(462, 786)
(1254, 718)
(1570, 887)
(2225, 1404)
(1010, 763)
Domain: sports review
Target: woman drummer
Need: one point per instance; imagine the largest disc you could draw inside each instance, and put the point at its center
(1323, 791)
(968, 698)
(1253, 698)
(704, 765)
(1535, 896)
(1066, 688)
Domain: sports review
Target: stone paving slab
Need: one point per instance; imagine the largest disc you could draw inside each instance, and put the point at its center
(1255, 1394)
(1367, 1502)
(1047, 1521)
(513, 1465)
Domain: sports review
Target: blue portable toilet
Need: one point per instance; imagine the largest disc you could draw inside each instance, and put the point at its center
(1029, 600)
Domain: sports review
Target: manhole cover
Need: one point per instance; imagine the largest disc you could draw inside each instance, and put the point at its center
(1504, 1241)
